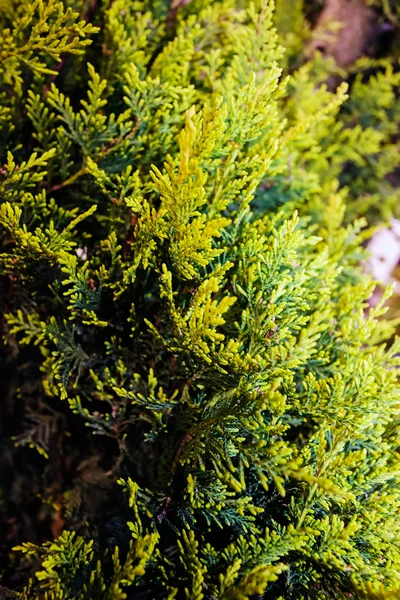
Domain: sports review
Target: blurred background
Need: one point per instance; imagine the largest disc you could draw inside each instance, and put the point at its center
(358, 41)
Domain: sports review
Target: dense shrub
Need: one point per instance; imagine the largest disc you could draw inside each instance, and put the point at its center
(181, 275)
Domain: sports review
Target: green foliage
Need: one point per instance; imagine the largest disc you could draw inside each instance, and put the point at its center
(181, 273)
(389, 8)
(36, 32)
(357, 141)
(69, 568)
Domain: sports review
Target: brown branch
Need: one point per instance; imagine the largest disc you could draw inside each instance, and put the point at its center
(187, 437)
(175, 6)
(351, 41)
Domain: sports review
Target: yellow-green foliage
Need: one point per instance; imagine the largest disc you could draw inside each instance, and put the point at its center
(357, 141)
(174, 230)
(390, 9)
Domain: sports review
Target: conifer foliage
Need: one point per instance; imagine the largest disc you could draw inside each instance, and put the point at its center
(181, 275)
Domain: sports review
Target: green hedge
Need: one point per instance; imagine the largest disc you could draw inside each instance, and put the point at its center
(182, 229)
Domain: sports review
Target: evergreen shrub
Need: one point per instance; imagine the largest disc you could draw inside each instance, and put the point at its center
(180, 274)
